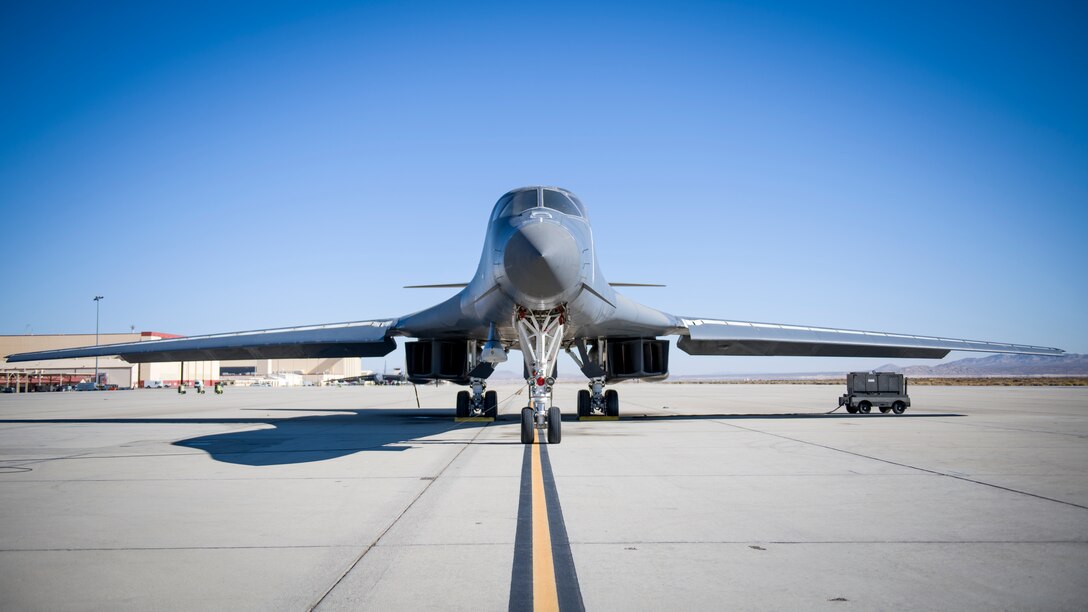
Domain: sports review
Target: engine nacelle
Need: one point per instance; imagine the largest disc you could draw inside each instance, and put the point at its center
(645, 358)
(437, 360)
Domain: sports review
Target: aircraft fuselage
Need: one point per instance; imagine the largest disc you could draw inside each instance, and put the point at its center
(539, 258)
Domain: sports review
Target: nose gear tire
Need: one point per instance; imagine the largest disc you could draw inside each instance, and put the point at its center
(528, 427)
(555, 425)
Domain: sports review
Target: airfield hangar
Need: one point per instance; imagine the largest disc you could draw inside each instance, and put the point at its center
(114, 371)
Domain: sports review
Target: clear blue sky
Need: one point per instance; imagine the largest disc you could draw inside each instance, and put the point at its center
(918, 167)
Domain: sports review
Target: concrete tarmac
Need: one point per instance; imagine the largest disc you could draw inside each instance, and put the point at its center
(703, 497)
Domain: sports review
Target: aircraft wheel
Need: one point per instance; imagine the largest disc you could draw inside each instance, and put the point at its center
(583, 403)
(865, 407)
(462, 404)
(852, 409)
(612, 403)
(899, 407)
(491, 404)
(528, 427)
(555, 425)
(885, 409)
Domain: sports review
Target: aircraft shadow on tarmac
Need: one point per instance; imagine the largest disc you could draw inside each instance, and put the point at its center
(329, 436)
(319, 437)
(310, 438)
(326, 436)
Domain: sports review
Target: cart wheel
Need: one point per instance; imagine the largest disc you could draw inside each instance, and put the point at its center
(899, 407)
(865, 407)
(885, 409)
(851, 409)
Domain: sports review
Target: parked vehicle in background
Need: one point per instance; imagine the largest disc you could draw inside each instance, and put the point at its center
(884, 390)
(155, 384)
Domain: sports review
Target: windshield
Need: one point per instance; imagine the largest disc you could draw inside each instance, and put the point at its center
(513, 204)
(557, 200)
(517, 202)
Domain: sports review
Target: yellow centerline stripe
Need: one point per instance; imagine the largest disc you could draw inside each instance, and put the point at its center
(545, 596)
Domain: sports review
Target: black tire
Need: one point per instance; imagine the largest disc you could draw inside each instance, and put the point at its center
(555, 425)
(528, 428)
(583, 403)
(865, 407)
(462, 404)
(899, 407)
(491, 404)
(612, 403)
(851, 409)
(885, 409)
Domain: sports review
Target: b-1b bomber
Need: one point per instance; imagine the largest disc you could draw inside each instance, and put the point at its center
(539, 290)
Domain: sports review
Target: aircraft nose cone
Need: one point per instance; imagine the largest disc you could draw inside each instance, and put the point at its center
(542, 260)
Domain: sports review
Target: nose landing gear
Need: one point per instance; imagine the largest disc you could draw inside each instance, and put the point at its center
(540, 334)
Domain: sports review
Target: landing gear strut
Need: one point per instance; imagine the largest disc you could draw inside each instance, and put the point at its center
(595, 402)
(478, 403)
(540, 334)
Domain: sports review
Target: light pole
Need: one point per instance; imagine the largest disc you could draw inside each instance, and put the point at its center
(97, 304)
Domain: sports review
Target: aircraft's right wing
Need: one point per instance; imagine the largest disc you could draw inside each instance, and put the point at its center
(356, 339)
(719, 337)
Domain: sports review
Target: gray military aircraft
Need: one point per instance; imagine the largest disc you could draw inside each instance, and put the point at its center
(538, 289)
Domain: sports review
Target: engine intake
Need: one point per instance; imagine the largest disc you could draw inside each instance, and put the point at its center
(637, 358)
(437, 360)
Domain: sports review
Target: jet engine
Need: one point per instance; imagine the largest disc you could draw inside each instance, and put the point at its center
(645, 358)
(437, 360)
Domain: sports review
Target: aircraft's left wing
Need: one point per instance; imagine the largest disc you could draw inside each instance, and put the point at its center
(719, 337)
(356, 339)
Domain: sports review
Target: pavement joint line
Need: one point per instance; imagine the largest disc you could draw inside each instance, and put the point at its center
(20, 463)
(252, 479)
(722, 543)
(1002, 428)
(446, 544)
(153, 548)
(400, 515)
(821, 542)
(769, 475)
(913, 467)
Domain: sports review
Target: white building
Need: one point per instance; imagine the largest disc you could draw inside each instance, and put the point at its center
(114, 371)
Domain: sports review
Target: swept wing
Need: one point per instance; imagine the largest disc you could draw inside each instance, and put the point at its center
(723, 337)
(354, 339)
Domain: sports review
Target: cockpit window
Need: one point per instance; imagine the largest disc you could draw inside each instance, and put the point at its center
(517, 202)
(557, 200)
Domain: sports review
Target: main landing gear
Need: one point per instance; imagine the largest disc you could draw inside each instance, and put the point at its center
(540, 334)
(595, 402)
(479, 403)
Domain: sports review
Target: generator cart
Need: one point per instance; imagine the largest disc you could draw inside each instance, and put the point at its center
(884, 390)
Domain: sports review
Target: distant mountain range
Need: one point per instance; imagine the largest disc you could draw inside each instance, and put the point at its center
(971, 367)
(1000, 365)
